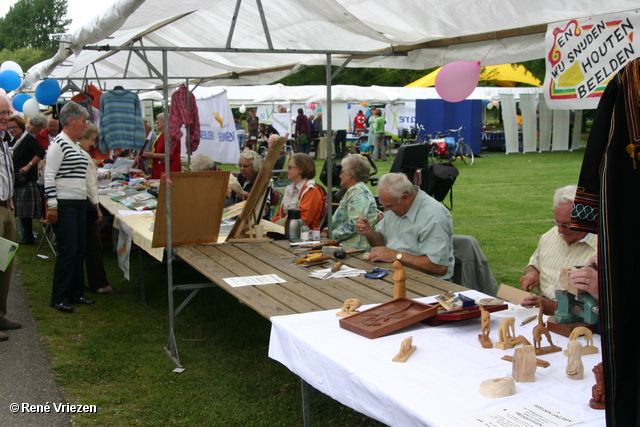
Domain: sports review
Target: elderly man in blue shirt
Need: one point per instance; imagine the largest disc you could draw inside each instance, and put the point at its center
(418, 232)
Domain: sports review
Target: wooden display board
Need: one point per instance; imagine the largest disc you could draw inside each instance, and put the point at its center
(197, 201)
(253, 209)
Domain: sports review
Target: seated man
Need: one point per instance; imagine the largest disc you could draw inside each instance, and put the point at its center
(419, 233)
(558, 248)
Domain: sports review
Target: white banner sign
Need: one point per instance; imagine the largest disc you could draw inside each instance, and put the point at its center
(584, 54)
(217, 130)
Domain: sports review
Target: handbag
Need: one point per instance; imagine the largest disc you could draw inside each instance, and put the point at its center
(303, 139)
(21, 179)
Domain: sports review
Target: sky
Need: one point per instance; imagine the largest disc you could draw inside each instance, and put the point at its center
(80, 11)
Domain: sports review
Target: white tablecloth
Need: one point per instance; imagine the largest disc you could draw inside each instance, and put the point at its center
(439, 384)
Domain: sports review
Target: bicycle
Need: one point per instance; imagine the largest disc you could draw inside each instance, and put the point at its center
(460, 148)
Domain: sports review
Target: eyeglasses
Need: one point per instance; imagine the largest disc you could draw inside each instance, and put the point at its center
(5, 113)
(391, 206)
(561, 224)
(12, 127)
(292, 167)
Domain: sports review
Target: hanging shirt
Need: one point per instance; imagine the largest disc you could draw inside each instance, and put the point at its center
(121, 121)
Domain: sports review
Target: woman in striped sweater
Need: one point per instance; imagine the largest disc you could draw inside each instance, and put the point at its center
(66, 192)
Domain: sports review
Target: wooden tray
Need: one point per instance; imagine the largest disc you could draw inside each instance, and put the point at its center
(444, 317)
(388, 317)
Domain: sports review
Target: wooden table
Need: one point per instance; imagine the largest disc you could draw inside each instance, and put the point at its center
(300, 293)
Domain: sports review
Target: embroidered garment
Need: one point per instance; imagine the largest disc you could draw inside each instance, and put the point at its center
(180, 115)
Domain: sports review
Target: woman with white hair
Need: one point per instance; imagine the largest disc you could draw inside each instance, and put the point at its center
(249, 164)
(356, 202)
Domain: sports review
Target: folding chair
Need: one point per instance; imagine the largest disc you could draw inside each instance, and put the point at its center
(47, 235)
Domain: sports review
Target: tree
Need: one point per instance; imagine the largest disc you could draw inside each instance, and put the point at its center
(25, 56)
(29, 23)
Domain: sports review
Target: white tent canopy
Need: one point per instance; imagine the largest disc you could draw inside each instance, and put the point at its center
(233, 43)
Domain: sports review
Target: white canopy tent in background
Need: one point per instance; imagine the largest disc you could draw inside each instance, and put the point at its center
(152, 44)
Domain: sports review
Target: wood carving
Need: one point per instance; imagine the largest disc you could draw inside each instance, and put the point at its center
(575, 369)
(399, 280)
(498, 387)
(538, 332)
(524, 364)
(597, 391)
(486, 328)
(506, 335)
(406, 350)
(565, 281)
(589, 348)
(349, 307)
(393, 312)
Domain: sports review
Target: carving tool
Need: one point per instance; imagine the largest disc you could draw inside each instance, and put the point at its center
(342, 254)
(336, 267)
(528, 319)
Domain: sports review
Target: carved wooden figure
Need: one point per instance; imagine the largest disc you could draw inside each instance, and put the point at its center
(589, 348)
(524, 364)
(575, 369)
(486, 328)
(506, 335)
(349, 307)
(597, 391)
(399, 280)
(406, 350)
(538, 332)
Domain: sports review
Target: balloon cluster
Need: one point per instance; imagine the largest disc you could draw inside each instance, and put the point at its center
(47, 92)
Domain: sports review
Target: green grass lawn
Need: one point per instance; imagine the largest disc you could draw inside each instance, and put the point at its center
(110, 354)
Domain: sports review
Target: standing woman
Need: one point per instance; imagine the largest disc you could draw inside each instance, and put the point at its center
(252, 129)
(65, 187)
(93, 259)
(156, 155)
(26, 153)
(303, 193)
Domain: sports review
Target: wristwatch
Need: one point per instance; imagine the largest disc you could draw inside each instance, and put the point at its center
(399, 256)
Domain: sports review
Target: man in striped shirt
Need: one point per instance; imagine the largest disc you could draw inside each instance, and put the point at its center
(558, 248)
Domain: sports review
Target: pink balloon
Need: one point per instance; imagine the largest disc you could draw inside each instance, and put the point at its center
(312, 106)
(495, 103)
(457, 80)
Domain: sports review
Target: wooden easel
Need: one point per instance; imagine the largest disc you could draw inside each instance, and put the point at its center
(252, 212)
(197, 201)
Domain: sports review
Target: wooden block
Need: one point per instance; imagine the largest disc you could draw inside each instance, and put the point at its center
(565, 329)
(524, 364)
(511, 294)
(539, 362)
(485, 341)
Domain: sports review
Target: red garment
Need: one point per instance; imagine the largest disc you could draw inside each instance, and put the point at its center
(43, 138)
(174, 158)
(359, 121)
(311, 206)
(179, 115)
(302, 125)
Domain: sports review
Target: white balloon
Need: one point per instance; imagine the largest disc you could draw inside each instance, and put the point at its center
(243, 109)
(10, 65)
(31, 107)
(489, 106)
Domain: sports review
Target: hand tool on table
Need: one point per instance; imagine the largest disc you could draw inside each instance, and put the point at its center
(312, 261)
(318, 246)
(336, 267)
(528, 319)
(342, 254)
(376, 273)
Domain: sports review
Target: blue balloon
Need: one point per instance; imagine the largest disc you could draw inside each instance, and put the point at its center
(19, 100)
(348, 105)
(485, 102)
(48, 91)
(10, 80)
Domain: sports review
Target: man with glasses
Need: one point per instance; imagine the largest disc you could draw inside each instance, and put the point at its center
(419, 233)
(7, 215)
(558, 248)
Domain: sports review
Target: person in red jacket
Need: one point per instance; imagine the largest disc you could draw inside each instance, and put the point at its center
(359, 123)
(45, 136)
(156, 155)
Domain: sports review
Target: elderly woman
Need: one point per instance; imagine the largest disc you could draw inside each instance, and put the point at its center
(356, 202)
(303, 193)
(26, 153)
(156, 155)
(65, 185)
(93, 259)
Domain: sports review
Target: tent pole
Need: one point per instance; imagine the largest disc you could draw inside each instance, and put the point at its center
(188, 127)
(171, 349)
(329, 159)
